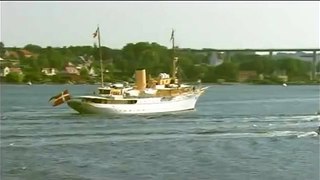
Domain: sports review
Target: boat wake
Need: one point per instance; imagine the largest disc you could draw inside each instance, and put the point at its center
(308, 134)
(260, 134)
(29, 140)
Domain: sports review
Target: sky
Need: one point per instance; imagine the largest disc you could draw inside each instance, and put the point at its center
(205, 24)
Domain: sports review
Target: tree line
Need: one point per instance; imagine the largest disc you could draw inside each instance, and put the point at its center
(155, 58)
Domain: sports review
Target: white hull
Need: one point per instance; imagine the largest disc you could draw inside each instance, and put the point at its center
(143, 105)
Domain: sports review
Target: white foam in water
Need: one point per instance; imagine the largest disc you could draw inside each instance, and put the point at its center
(271, 134)
(294, 133)
(17, 107)
(310, 118)
(283, 133)
(312, 133)
(294, 117)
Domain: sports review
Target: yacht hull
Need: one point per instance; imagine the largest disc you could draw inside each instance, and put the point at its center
(143, 105)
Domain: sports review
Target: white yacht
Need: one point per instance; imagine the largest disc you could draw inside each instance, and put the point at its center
(139, 99)
(155, 95)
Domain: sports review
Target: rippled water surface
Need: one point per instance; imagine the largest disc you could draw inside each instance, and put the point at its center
(236, 132)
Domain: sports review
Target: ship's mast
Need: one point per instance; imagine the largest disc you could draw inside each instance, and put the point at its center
(100, 54)
(174, 59)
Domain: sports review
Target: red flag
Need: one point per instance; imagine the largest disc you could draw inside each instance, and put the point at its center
(60, 98)
(96, 33)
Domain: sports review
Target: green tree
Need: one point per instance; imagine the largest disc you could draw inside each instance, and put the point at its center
(59, 79)
(55, 58)
(210, 75)
(2, 49)
(121, 64)
(152, 57)
(198, 72)
(33, 48)
(14, 77)
(43, 61)
(227, 71)
(268, 66)
(84, 73)
(33, 76)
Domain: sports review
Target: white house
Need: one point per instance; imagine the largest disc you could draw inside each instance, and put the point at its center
(92, 72)
(4, 71)
(49, 71)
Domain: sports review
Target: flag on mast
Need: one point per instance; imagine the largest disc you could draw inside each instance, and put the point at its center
(60, 98)
(172, 35)
(96, 33)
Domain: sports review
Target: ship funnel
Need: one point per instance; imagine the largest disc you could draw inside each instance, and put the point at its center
(141, 79)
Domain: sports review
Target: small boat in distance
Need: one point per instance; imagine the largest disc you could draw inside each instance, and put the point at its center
(29, 83)
(156, 95)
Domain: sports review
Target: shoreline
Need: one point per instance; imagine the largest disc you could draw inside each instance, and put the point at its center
(222, 84)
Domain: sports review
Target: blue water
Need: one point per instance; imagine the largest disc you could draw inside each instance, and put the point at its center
(237, 132)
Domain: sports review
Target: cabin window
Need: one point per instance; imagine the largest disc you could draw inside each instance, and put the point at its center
(107, 101)
(104, 91)
(97, 100)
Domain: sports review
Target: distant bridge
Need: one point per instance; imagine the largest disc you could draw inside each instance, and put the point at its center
(227, 53)
(262, 50)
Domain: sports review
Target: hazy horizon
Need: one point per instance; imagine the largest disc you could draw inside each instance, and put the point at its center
(198, 25)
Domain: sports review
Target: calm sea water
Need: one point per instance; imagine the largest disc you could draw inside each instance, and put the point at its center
(237, 132)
